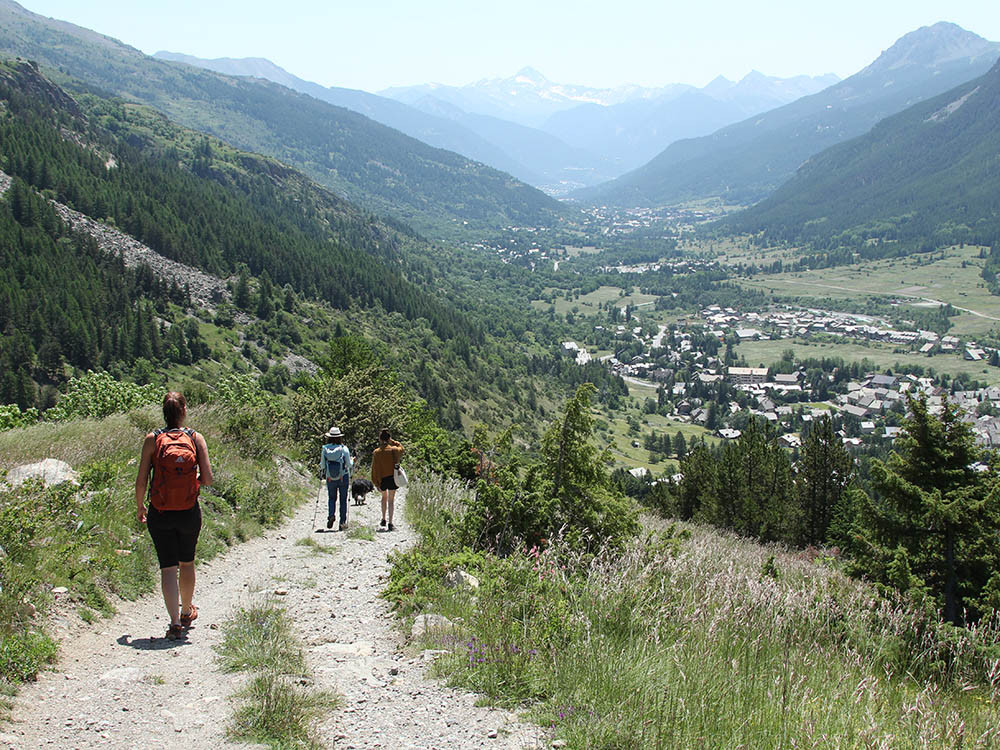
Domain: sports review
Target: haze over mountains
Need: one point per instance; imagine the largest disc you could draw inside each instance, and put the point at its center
(399, 153)
(554, 136)
(746, 161)
(373, 165)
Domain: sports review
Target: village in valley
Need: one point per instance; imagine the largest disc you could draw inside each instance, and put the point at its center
(700, 380)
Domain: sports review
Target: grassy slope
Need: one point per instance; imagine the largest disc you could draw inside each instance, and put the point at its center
(699, 641)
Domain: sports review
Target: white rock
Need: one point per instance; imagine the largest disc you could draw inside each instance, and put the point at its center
(459, 579)
(433, 653)
(122, 674)
(429, 622)
(60, 590)
(50, 471)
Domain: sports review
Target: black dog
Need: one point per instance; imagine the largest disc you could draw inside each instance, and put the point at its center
(360, 488)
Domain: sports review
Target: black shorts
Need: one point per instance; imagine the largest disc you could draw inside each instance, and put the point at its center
(175, 534)
(388, 483)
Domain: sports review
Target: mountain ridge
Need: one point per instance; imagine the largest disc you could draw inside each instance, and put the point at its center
(919, 179)
(362, 160)
(746, 161)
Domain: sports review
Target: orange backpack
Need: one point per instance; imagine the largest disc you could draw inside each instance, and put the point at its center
(175, 470)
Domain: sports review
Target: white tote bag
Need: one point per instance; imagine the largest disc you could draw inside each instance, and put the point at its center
(399, 476)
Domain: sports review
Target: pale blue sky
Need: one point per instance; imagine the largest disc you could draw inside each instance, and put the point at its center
(372, 44)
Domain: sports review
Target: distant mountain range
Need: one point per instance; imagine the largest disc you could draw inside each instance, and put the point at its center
(633, 132)
(746, 161)
(623, 126)
(587, 135)
(375, 166)
(923, 178)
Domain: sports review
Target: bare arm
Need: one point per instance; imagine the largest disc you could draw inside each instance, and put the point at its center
(204, 465)
(142, 479)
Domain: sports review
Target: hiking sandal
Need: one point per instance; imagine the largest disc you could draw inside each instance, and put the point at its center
(174, 632)
(187, 619)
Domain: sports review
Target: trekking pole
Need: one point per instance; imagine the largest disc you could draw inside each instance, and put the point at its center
(316, 506)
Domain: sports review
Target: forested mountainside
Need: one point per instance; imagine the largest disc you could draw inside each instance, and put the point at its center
(189, 199)
(922, 179)
(226, 209)
(366, 162)
(745, 162)
(299, 268)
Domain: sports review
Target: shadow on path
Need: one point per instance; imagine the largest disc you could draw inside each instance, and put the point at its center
(150, 644)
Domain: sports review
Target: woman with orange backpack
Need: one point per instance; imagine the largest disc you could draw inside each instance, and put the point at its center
(178, 459)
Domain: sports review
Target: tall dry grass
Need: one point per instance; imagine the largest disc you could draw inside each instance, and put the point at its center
(702, 639)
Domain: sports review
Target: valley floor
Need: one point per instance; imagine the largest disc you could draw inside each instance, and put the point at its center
(119, 684)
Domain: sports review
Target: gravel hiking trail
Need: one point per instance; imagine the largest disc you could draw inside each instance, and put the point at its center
(119, 684)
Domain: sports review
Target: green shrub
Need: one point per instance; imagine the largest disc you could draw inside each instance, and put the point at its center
(23, 654)
(251, 433)
(11, 416)
(97, 395)
(417, 578)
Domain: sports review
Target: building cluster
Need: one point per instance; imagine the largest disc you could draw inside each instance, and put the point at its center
(677, 267)
(609, 221)
(578, 353)
(789, 323)
(869, 408)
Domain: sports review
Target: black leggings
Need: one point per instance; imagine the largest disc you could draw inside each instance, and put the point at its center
(175, 534)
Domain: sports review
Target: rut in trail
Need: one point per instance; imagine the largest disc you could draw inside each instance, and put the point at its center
(119, 684)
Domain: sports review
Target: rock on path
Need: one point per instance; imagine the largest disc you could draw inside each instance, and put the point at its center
(119, 684)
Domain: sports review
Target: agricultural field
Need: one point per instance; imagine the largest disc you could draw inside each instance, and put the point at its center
(619, 436)
(950, 275)
(588, 304)
(572, 251)
(882, 357)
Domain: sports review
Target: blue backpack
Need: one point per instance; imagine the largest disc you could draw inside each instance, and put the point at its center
(336, 461)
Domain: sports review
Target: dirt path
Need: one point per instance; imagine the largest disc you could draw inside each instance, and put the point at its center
(119, 684)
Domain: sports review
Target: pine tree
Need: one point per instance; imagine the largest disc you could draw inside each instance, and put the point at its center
(241, 295)
(933, 525)
(824, 471)
(576, 478)
(755, 489)
(680, 445)
(697, 489)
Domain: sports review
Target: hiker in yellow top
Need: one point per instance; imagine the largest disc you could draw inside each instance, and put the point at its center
(384, 461)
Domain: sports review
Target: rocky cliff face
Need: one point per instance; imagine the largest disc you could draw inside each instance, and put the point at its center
(24, 74)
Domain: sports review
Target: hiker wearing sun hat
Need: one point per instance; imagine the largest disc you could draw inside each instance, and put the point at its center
(336, 465)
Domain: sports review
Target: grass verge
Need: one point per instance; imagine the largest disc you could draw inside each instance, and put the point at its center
(692, 638)
(361, 532)
(273, 708)
(85, 537)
